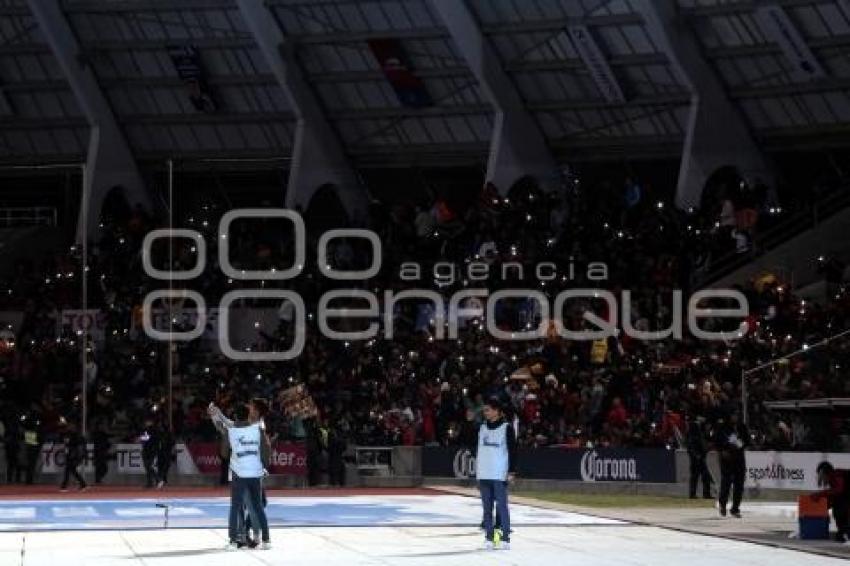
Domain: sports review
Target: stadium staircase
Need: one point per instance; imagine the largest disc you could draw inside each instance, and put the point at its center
(791, 249)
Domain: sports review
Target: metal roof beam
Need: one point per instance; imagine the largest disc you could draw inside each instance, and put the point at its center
(674, 99)
(578, 64)
(23, 123)
(726, 9)
(318, 157)
(814, 87)
(834, 42)
(203, 119)
(110, 161)
(35, 86)
(176, 82)
(716, 134)
(159, 82)
(235, 42)
(13, 49)
(517, 146)
(99, 6)
(362, 76)
(402, 112)
(362, 36)
(555, 24)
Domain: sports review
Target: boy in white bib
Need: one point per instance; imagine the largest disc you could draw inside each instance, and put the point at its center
(496, 464)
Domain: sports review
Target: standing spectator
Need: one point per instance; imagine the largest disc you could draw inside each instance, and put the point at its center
(496, 462)
(100, 439)
(164, 456)
(3, 436)
(732, 439)
(31, 449)
(696, 453)
(336, 452)
(837, 493)
(314, 452)
(150, 449)
(224, 469)
(12, 442)
(75, 455)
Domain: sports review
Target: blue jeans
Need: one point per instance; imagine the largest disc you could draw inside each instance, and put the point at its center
(494, 491)
(246, 493)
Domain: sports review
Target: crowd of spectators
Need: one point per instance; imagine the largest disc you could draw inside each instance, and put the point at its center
(416, 388)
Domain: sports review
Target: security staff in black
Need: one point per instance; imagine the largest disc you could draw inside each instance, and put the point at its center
(75, 456)
(697, 451)
(150, 439)
(731, 440)
(100, 439)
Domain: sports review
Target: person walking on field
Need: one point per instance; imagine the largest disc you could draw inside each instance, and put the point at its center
(100, 439)
(731, 440)
(149, 440)
(75, 455)
(164, 456)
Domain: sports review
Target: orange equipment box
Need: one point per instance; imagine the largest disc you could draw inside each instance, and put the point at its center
(811, 508)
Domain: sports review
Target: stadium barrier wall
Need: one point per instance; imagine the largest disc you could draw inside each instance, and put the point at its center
(633, 465)
(770, 475)
(455, 467)
(195, 463)
(794, 471)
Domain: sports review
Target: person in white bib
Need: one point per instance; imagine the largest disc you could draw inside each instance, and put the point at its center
(257, 411)
(496, 465)
(250, 452)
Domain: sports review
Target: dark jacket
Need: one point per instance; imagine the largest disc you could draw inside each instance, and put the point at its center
(839, 486)
(732, 440)
(75, 448)
(696, 440)
(150, 443)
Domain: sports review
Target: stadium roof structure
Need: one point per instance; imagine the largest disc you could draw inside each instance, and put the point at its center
(519, 84)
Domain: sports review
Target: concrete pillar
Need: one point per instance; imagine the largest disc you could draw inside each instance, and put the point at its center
(109, 161)
(717, 133)
(318, 156)
(517, 146)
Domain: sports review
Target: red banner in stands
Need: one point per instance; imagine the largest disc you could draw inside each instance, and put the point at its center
(288, 458)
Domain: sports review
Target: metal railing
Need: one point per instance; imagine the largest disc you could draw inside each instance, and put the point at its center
(769, 239)
(374, 459)
(15, 217)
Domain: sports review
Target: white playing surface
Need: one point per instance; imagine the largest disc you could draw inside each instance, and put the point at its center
(541, 537)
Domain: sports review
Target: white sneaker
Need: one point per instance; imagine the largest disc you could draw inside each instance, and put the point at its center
(265, 545)
(231, 546)
(160, 484)
(505, 545)
(488, 545)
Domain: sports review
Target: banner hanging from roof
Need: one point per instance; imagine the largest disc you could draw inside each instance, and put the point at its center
(396, 67)
(187, 62)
